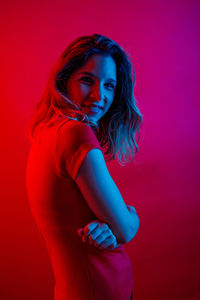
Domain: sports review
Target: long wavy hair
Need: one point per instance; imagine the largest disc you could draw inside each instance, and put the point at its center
(117, 129)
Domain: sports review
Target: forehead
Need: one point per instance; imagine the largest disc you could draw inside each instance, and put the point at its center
(100, 65)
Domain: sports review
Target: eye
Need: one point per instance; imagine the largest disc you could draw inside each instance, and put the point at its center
(112, 86)
(86, 79)
(90, 80)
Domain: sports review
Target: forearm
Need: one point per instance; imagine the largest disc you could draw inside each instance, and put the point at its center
(96, 224)
(135, 223)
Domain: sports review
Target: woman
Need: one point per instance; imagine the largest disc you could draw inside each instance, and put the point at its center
(87, 106)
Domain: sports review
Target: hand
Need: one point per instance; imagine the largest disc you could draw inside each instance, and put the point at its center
(131, 208)
(98, 234)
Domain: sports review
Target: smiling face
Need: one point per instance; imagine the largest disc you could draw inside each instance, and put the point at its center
(94, 84)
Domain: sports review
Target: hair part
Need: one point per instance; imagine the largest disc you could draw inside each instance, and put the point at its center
(117, 129)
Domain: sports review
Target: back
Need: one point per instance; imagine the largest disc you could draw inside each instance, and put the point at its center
(59, 208)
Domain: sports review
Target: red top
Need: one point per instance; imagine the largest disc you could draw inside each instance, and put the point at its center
(82, 271)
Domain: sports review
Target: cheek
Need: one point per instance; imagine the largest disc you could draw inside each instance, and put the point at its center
(83, 90)
(80, 91)
(76, 92)
(111, 99)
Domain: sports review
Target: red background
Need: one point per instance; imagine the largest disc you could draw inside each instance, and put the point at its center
(163, 39)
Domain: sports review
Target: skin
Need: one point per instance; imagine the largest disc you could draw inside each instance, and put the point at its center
(86, 89)
(98, 234)
(99, 88)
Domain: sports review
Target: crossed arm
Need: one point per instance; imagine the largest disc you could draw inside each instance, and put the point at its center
(99, 234)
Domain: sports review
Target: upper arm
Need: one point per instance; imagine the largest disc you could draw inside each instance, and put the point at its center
(102, 195)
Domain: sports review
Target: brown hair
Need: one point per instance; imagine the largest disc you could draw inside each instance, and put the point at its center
(116, 130)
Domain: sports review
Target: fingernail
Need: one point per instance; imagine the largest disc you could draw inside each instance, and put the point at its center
(80, 231)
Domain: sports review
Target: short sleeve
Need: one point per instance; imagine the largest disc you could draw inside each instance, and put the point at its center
(74, 140)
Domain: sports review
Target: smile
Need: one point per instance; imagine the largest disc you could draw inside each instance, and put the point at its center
(93, 108)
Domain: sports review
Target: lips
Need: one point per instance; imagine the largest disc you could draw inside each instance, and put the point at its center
(100, 107)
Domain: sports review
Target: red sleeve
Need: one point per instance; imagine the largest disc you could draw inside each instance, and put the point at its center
(74, 140)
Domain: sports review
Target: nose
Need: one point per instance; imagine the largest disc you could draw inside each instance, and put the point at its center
(97, 92)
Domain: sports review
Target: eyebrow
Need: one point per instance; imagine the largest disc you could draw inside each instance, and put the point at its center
(88, 73)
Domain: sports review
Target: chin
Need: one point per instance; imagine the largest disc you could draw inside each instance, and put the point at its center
(94, 122)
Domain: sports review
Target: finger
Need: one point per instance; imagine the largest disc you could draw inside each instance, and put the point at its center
(103, 242)
(92, 226)
(89, 227)
(99, 235)
(80, 231)
(109, 243)
(131, 209)
(105, 245)
(97, 242)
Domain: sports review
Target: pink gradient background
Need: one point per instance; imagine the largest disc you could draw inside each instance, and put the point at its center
(163, 39)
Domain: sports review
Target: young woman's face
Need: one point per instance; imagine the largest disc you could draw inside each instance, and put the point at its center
(94, 84)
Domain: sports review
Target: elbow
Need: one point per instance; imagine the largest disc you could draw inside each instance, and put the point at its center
(131, 233)
(123, 239)
(133, 228)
